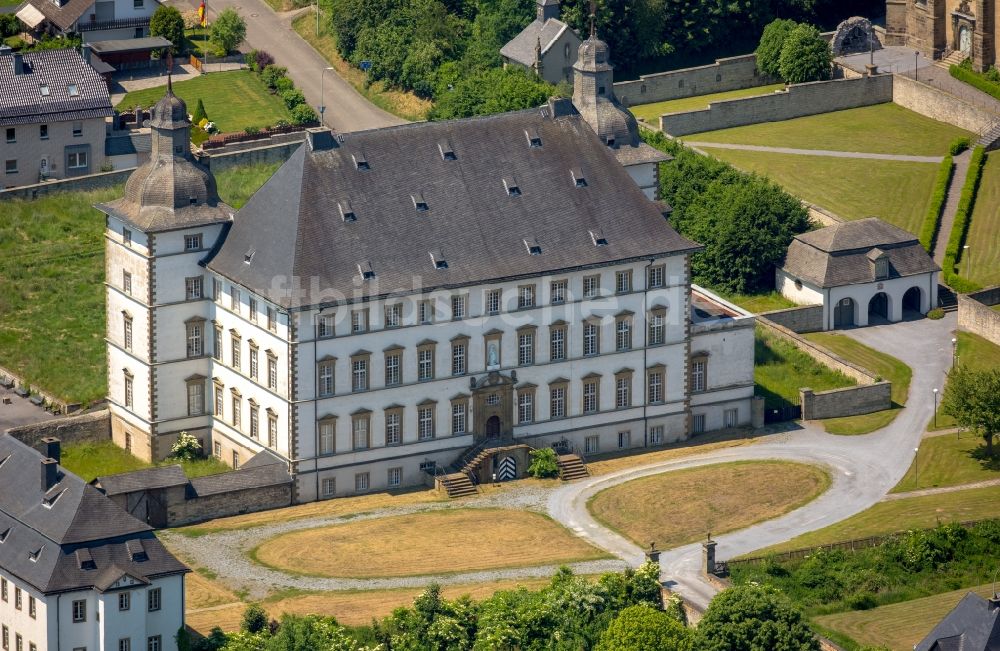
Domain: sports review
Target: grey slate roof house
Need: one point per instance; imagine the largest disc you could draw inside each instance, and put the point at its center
(60, 536)
(973, 625)
(547, 45)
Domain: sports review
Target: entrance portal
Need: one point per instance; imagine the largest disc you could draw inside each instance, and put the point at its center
(843, 313)
(878, 307)
(493, 427)
(965, 40)
(911, 300)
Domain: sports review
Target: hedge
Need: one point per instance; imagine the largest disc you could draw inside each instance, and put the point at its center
(932, 221)
(973, 79)
(961, 226)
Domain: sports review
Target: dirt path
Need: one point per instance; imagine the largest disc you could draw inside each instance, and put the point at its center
(943, 489)
(816, 152)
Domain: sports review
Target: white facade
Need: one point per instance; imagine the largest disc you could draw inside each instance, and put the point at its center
(95, 620)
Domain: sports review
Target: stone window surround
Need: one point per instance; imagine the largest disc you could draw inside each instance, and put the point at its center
(526, 330)
(696, 358)
(625, 374)
(327, 420)
(431, 347)
(559, 383)
(254, 419)
(529, 391)
(422, 407)
(397, 411)
(194, 329)
(590, 380)
(661, 371)
(563, 327)
(624, 317)
(361, 356)
(237, 416)
(460, 342)
(460, 401)
(192, 382)
(358, 418)
(394, 351)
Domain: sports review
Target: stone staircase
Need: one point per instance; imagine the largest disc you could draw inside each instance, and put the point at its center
(458, 479)
(458, 484)
(953, 58)
(988, 137)
(947, 300)
(571, 467)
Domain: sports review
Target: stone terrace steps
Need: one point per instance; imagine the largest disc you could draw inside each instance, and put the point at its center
(989, 137)
(947, 300)
(953, 59)
(458, 485)
(571, 467)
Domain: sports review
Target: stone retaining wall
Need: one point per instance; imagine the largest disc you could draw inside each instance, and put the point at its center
(797, 100)
(236, 502)
(97, 181)
(820, 353)
(849, 401)
(975, 315)
(822, 215)
(939, 105)
(798, 319)
(732, 73)
(245, 153)
(85, 428)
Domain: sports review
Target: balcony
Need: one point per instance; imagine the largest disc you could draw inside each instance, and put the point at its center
(121, 23)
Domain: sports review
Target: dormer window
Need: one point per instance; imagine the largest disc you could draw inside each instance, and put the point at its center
(361, 162)
(534, 140)
(49, 501)
(598, 238)
(136, 551)
(513, 189)
(4, 534)
(84, 560)
(882, 268)
(600, 90)
(578, 178)
(33, 556)
(73, 90)
(366, 270)
(248, 256)
(419, 202)
(437, 257)
(44, 90)
(447, 152)
(347, 211)
(534, 248)
(611, 141)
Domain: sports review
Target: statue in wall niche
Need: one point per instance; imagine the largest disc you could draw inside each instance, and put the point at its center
(493, 356)
(965, 8)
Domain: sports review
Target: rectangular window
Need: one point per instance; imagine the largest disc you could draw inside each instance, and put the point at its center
(591, 339)
(326, 379)
(216, 289)
(236, 347)
(458, 307)
(192, 288)
(329, 486)
(525, 407)
(254, 361)
(361, 440)
(624, 440)
(17, 598)
(77, 129)
(272, 431)
(237, 410)
(591, 397)
(395, 477)
(192, 242)
(126, 282)
(425, 364)
(393, 428)
(591, 286)
(3, 589)
(126, 237)
(43, 131)
(656, 277)
(623, 281)
(325, 325)
(124, 601)
(153, 643)
(76, 160)
(195, 343)
(525, 348)
(359, 375)
(458, 418)
(254, 421)
(11, 135)
(623, 392)
(557, 402)
(458, 358)
(557, 343)
(361, 482)
(253, 309)
(31, 607)
(393, 369)
(359, 321)
(656, 435)
(272, 319)
(698, 423)
(656, 328)
(730, 417)
(128, 390)
(394, 315)
(18, 642)
(558, 291)
(698, 375)
(5, 641)
(234, 298)
(127, 334)
(623, 334)
(655, 387)
(236, 460)
(217, 450)
(525, 296)
(10, 166)
(125, 644)
(425, 423)
(272, 372)
(425, 311)
(153, 600)
(493, 301)
(591, 445)
(327, 437)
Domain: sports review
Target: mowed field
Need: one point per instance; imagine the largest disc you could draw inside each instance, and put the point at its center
(651, 113)
(974, 352)
(880, 129)
(680, 507)
(433, 542)
(983, 262)
(948, 460)
(897, 626)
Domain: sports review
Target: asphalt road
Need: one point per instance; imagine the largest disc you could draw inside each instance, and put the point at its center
(346, 109)
(863, 468)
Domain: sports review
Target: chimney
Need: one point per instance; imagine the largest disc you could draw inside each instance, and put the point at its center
(50, 474)
(53, 449)
(85, 52)
(560, 106)
(994, 601)
(18, 63)
(320, 139)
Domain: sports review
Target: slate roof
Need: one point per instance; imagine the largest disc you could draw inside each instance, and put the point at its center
(65, 16)
(521, 48)
(48, 534)
(116, 46)
(973, 625)
(293, 228)
(145, 479)
(838, 255)
(21, 99)
(246, 478)
(130, 143)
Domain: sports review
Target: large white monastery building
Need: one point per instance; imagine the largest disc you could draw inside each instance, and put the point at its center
(391, 298)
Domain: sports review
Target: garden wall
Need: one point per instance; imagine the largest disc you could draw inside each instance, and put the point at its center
(732, 73)
(849, 401)
(795, 101)
(97, 181)
(232, 502)
(939, 105)
(85, 428)
(821, 354)
(277, 149)
(975, 315)
(798, 319)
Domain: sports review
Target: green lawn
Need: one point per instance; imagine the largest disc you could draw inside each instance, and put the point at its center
(781, 369)
(90, 460)
(976, 352)
(651, 112)
(51, 285)
(758, 303)
(899, 626)
(898, 192)
(198, 43)
(948, 460)
(880, 129)
(885, 366)
(233, 100)
(900, 515)
(981, 261)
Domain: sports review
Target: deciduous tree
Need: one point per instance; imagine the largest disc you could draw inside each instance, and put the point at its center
(972, 398)
(168, 23)
(805, 56)
(772, 40)
(228, 30)
(752, 617)
(644, 628)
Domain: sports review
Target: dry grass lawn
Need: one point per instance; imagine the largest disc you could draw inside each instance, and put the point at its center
(200, 592)
(434, 542)
(700, 445)
(225, 617)
(897, 626)
(680, 507)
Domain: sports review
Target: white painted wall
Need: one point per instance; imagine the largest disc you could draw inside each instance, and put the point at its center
(805, 294)
(644, 175)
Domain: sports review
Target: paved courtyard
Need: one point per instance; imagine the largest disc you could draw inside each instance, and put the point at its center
(19, 412)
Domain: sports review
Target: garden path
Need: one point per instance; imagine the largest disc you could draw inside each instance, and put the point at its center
(942, 489)
(817, 152)
(951, 204)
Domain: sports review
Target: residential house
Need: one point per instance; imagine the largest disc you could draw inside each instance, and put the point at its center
(93, 20)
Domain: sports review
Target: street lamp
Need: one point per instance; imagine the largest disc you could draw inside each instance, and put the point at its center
(916, 464)
(935, 407)
(954, 352)
(916, 64)
(322, 96)
(317, 20)
(965, 256)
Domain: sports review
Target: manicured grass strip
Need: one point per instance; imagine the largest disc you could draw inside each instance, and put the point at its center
(651, 112)
(91, 460)
(781, 369)
(975, 80)
(949, 460)
(885, 366)
(680, 507)
(880, 129)
(897, 626)
(953, 254)
(759, 303)
(234, 100)
(932, 221)
(975, 352)
(981, 261)
(901, 515)
(895, 191)
(433, 542)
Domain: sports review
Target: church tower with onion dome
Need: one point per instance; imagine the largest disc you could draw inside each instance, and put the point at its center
(159, 301)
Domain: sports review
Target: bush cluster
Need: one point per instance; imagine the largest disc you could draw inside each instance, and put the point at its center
(544, 463)
(964, 73)
(932, 220)
(959, 230)
(277, 81)
(794, 52)
(958, 145)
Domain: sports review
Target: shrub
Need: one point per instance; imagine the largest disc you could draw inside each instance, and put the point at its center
(254, 619)
(960, 228)
(965, 73)
(771, 41)
(270, 74)
(293, 97)
(992, 74)
(186, 448)
(251, 131)
(168, 23)
(544, 463)
(805, 56)
(262, 59)
(958, 145)
(228, 30)
(932, 221)
(199, 113)
(303, 114)
(935, 314)
(9, 25)
(644, 628)
(283, 84)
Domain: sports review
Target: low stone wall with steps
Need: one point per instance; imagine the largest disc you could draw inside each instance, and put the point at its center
(976, 316)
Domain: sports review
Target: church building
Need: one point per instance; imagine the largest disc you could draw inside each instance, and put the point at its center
(391, 299)
(547, 45)
(945, 29)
